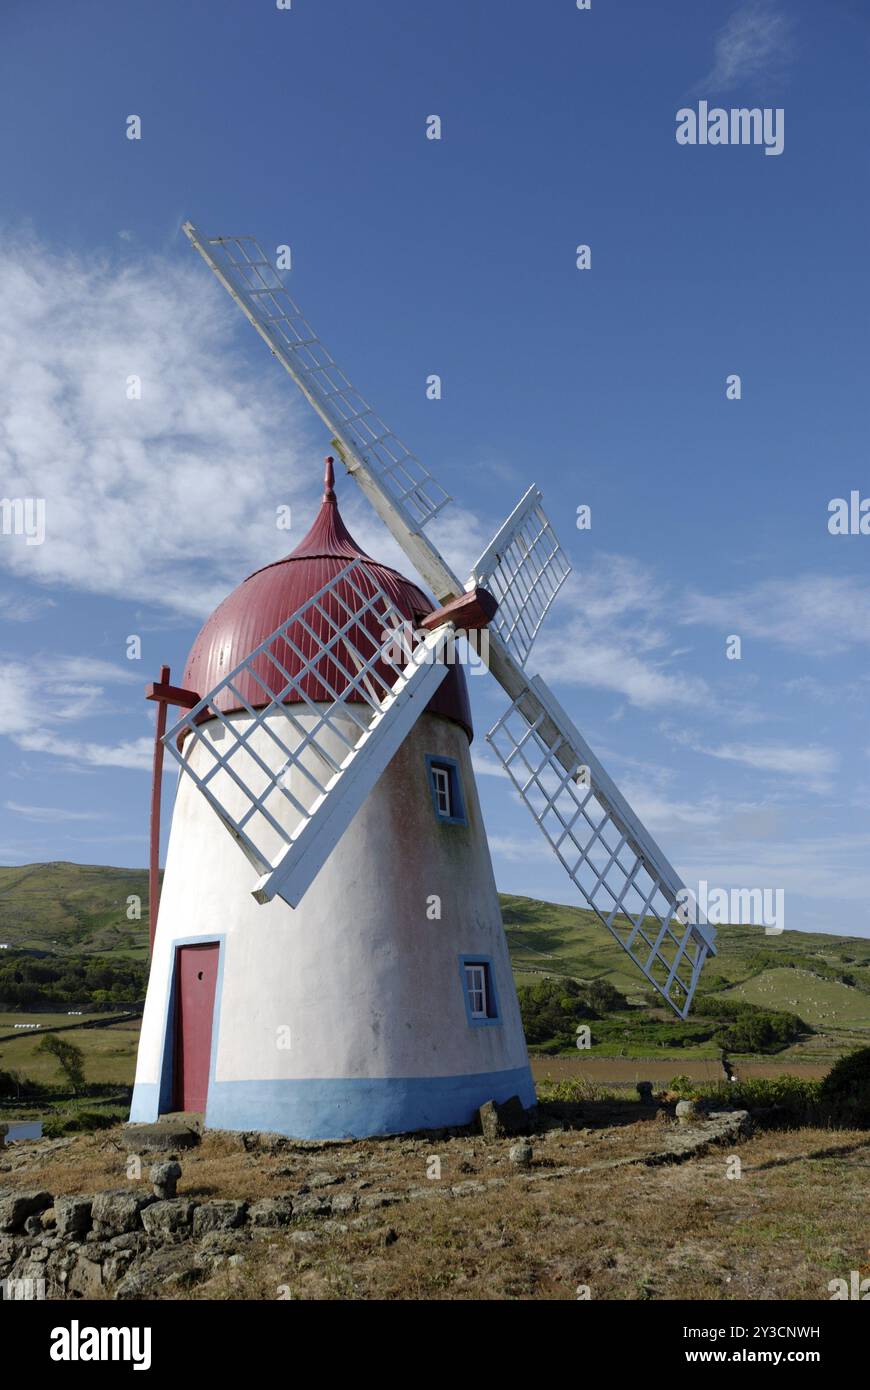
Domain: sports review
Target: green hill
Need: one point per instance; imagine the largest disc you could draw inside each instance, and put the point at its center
(825, 980)
(73, 909)
(81, 910)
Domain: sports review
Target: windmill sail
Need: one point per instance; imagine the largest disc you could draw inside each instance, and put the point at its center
(286, 779)
(523, 567)
(244, 270)
(607, 852)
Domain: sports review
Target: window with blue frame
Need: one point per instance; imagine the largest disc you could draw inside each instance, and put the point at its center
(481, 1004)
(446, 788)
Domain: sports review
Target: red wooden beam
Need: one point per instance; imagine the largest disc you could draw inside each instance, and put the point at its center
(171, 694)
(471, 610)
(156, 789)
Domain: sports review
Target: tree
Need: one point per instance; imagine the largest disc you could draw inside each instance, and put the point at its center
(70, 1059)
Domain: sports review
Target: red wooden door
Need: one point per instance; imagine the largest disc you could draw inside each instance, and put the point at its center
(195, 980)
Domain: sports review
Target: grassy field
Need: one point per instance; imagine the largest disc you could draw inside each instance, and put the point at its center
(795, 1220)
(823, 1003)
(110, 1053)
(73, 909)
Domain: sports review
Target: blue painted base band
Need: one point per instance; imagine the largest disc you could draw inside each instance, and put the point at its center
(349, 1108)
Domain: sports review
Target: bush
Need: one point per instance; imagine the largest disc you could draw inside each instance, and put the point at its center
(574, 1090)
(794, 1097)
(82, 1122)
(846, 1088)
(69, 1058)
(747, 1027)
(64, 982)
(684, 1087)
(552, 1009)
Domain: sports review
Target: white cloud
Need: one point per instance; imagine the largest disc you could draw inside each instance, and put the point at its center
(47, 694)
(169, 499)
(819, 614)
(50, 815)
(754, 43)
(609, 637)
(812, 765)
(484, 765)
(135, 753)
(23, 608)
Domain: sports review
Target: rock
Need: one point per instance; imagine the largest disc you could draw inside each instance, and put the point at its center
(304, 1237)
(217, 1243)
(218, 1216)
(379, 1199)
(15, 1209)
(113, 1213)
(166, 1136)
(116, 1266)
(130, 1240)
(255, 1141)
(33, 1226)
(171, 1217)
(73, 1215)
(86, 1278)
(467, 1189)
(312, 1206)
(344, 1202)
(235, 1261)
(389, 1236)
(323, 1179)
(271, 1211)
(520, 1155)
(164, 1178)
(645, 1091)
(501, 1118)
(172, 1267)
(687, 1112)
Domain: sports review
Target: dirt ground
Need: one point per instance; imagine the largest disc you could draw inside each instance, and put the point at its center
(791, 1217)
(627, 1071)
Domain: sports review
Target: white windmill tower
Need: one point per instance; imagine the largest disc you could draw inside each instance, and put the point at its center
(342, 970)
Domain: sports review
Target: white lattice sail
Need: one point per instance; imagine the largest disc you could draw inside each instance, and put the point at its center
(251, 278)
(289, 744)
(607, 852)
(523, 567)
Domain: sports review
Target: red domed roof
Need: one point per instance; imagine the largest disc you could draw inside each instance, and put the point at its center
(268, 597)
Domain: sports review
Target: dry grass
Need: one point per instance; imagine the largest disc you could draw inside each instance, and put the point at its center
(794, 1220)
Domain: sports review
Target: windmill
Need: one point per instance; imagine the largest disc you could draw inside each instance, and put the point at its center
(329, 684)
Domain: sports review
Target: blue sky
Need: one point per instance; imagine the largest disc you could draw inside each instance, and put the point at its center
(606, 387)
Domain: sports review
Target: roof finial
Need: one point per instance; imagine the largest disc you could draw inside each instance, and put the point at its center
(329, 480)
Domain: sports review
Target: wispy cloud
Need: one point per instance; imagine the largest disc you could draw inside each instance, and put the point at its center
(134, 754)
(818, 614)
(756, 42)
(811, 764)
(23, 608)
(64, 690)
(609, 633)
(50, 815)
